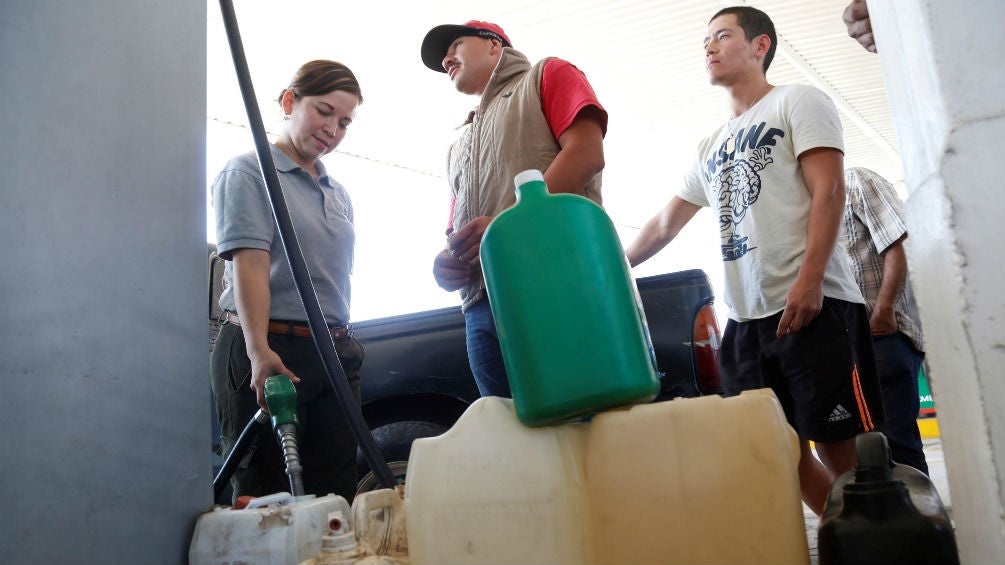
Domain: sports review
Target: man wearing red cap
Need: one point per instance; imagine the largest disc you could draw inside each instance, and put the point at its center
(541, 116)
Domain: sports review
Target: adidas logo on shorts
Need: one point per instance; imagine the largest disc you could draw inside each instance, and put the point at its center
(839, 413)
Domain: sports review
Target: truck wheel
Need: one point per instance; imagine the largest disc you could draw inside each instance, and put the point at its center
(395, 442)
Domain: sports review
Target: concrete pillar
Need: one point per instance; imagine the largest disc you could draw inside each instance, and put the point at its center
(105, 405)
(947, 90)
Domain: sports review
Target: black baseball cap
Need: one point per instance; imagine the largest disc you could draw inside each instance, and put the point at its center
(438, 40)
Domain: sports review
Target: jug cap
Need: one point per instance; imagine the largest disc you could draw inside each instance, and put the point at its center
(530, 175)
(873, 453)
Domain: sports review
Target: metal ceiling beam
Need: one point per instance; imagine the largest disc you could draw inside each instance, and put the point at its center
(814, 78)
(817, 80)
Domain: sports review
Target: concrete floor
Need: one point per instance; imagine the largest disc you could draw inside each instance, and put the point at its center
(937, 472)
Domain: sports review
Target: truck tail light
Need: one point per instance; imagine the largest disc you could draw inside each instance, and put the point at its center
(706, 340)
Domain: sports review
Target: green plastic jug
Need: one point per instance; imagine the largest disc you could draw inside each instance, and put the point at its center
(570, 321)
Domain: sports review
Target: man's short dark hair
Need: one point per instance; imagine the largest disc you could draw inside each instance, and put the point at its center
(754, 23)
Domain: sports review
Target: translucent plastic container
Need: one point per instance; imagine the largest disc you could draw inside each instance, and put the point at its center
(379, 519)
(342, 546)
(697, 481)
(569, 318)
(491, 490)
(284, 531)
(690, 481)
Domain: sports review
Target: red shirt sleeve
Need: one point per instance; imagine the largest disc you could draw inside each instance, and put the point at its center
(564, 93)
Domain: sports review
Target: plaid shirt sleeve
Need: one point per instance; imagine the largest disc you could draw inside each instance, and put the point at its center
(879, 207)
(873, 222)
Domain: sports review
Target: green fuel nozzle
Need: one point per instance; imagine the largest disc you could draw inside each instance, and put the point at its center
(281, 398)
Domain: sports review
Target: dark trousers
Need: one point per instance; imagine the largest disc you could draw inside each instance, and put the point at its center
(824, 375)
(326, 444)
(898, 363)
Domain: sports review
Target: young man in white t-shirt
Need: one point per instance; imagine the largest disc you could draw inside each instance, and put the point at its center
(775, 173)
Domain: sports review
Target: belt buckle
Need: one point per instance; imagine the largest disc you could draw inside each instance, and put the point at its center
(340, 332)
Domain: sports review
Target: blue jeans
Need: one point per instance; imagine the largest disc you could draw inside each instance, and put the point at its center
(899, 362)
(484, 353)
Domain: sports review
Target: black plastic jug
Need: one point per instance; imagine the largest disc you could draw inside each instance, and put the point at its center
(883, 513)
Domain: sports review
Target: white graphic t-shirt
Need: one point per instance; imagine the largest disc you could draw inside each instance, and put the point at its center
(748, 170)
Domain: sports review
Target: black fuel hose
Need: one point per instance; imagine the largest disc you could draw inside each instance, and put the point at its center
(247, 437)
(298, 265)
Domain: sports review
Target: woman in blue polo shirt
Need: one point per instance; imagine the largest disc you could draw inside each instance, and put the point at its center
(266, 331)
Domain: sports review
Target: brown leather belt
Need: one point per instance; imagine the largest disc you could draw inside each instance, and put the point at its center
(290, 328)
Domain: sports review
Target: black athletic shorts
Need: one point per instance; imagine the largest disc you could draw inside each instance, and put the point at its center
(824, 375)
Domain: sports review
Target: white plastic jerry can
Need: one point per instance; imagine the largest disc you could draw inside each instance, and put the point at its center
(697, 481)
(491, 490)
(379, 519)
(689, 481)
(277, 529)
(382, 520)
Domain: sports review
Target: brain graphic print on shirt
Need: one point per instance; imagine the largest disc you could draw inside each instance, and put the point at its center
(736, 181)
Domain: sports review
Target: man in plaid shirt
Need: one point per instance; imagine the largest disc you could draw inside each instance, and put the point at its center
(874, 234)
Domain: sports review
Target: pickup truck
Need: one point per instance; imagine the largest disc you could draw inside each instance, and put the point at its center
(416, 382)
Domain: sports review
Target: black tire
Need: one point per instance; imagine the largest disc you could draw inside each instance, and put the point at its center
(395, 442)
(369, 481)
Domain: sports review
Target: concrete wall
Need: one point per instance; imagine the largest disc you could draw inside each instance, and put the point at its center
(105, 405)
(947, 90)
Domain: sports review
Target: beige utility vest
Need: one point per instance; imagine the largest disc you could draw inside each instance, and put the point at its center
(505, 135)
